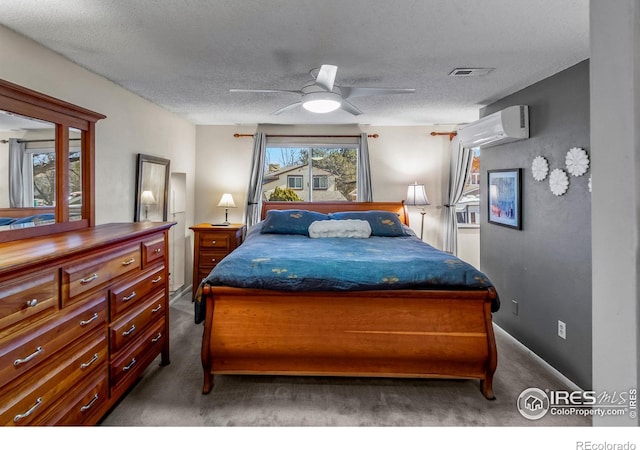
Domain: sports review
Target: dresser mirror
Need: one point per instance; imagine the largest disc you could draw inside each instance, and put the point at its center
(46, 160)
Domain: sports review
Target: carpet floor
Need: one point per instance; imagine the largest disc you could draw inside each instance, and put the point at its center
(171, 395)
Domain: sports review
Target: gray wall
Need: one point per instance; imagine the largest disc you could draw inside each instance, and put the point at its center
(546, 266)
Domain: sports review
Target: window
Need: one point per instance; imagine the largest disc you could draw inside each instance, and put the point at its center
(40, 176)
(294, 181)
(468, 208)
(295, 170)
(320, 182)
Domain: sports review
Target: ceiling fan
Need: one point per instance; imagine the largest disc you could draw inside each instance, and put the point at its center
(322, 95)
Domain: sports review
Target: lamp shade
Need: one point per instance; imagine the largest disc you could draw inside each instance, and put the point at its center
(227, 201)
(147, 198)
(417, 195)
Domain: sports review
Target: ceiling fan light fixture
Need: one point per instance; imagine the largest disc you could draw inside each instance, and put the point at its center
(321, 102)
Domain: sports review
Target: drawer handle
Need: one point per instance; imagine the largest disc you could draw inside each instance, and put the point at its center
(128, 262)
(158, 250)
(157, 338)
(19, 417)
(156, 309)
(84, 323)
(31, 303)
(129, 297)
(213, 260)
(17, 362)
(87, 364)
(157, 280)
(90, 279)
(213, 242)
(129, 366)
(90, 404)
(130, 330)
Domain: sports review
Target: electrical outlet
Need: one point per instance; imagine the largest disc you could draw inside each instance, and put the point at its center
(514, 307)
(562, 329)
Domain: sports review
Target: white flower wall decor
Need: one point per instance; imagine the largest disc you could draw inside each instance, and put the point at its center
(577, 161)
(539, 168)
(558, 182)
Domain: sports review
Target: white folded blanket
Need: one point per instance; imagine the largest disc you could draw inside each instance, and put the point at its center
(347, 228)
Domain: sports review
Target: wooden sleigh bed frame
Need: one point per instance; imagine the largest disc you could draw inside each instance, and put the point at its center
(390, 333)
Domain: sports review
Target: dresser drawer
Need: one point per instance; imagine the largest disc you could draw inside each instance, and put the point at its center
(31, 347)
(93, 272)
(213, 240)
(31, 297)
(131, 291)
(130, 364)
(80, 405)
(153, 251)
(27, 401)
(127, 328)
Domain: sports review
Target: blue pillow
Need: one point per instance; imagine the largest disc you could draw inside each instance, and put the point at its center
(290, 221)
(383, 223)
(6, 220)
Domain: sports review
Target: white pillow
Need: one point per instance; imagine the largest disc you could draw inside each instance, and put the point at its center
(347, 228)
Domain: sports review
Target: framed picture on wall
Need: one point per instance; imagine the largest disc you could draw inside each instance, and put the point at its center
(505, 197)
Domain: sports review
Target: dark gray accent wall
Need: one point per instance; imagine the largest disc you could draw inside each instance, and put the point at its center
(546, 266)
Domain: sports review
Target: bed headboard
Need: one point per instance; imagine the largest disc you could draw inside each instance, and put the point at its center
(327, 207)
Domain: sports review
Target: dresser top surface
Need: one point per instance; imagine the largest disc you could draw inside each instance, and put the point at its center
(26, 253)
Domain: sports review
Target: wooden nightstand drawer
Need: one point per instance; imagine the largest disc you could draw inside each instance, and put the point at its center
(84, 276)
(30, 297)
(131, 291)
(153, 251)
(210, 240)
(209, 259)
(133, 324)
(27, 350)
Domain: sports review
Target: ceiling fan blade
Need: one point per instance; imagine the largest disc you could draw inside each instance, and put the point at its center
(348, 107)
(287, 108)
(327, 76)
(265, 90)
(350, 92)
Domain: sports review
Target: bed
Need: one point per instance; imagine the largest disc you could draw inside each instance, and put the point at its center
(384, 306)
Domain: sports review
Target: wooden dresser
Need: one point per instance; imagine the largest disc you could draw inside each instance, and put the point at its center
(211, 244)
(82, 314)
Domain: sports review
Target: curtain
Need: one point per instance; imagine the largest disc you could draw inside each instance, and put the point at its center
(254, 201)
(16, 179)
(459, 169)
(365, 193)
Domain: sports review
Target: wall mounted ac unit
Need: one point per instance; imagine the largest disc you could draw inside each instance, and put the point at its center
(510, 124)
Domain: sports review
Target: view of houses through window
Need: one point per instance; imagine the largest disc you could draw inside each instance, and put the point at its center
(468, 208)
(310, 173)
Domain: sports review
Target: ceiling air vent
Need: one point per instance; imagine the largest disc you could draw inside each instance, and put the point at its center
(464, 72)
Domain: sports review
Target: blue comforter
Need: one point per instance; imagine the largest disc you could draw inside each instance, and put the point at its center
(299, 263)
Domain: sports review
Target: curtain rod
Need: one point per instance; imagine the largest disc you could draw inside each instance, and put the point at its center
(4, 141)
(451, 134)
(375, 136)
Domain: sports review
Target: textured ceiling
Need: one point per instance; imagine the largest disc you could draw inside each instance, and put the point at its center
(185, 55)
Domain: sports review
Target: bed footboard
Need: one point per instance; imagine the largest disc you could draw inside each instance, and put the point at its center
(405, 333)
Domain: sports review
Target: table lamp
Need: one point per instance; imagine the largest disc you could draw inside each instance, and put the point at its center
(417, 196)
(227, 202)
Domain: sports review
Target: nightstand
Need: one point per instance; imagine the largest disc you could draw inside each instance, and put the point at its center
(211, 244)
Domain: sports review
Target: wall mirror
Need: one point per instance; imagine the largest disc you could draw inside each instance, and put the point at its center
(46, 158)
(152, 189)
